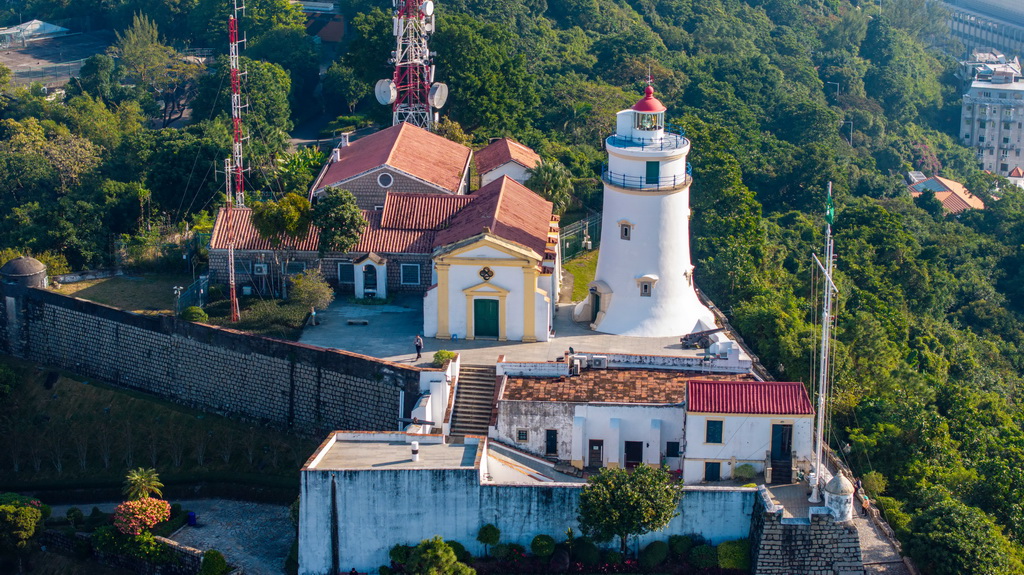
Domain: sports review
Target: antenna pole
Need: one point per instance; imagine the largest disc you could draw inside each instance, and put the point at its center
(826, 344)
(228, 217)
(237, 169)
(413, 63)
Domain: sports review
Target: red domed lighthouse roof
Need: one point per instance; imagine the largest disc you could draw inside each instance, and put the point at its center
(649, 103)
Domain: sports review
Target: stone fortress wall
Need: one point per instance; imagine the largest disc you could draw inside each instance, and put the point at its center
(292, 386)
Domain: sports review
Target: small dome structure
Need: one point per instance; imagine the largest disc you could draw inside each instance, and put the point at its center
(839, 485)
(649, 104)
(22, 266)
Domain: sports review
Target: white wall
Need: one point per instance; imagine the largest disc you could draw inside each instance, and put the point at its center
(618, 423)
(382, 278)
(510, 169)
(536, 417)
(532, 369)
(461, 277)
(430, 312)
(745, 437)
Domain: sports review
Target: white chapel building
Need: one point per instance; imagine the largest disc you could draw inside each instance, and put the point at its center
(644, 281)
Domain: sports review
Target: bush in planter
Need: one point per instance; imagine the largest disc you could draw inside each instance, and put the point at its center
(440, 357)
(543, 546)
(213, 563)
(653, 555)
(704, 557)
(744, 472)
(734, 554)
(75, 516)
(108, 539)
(681, 544)
(584, 551)
(460, 551)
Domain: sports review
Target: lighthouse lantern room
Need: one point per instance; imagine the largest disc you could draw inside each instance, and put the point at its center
(644, 281)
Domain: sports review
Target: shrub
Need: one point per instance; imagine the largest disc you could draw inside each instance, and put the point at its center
(893, 512)
(175, 510)
(744, 472)
(134, 517)
(291, 563)
(441, 356)
(704, 557)
(543, 546)
(97, 518)
(460, 551)
(874, 483)
(8, 379)
(400, 554)
(195, 313)
(18, 500)
(653, 555)
(584, 551)
(108, 539)
(385, 570)
(75, 516)
(681, 544)
(213, 563)
(734, 554)
(489, 534)
(500, 552)
(612, 557)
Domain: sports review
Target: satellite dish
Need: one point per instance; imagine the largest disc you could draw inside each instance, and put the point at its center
(438, 95)
(427, 8)
(385, 91)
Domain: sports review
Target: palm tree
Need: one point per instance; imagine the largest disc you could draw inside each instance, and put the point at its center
(553, 181)
(141, 483)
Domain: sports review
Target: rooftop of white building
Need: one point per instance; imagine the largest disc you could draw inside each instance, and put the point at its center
(391, 450)
(642, 386)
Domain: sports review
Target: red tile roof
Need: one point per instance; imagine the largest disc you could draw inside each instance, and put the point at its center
(500, 152)
(1017, 172)
(506, 209)
(954, 196)
(602, 386)
(418, 223)
(761, 397)
(245, 234)
(404, 147)
(421, 211)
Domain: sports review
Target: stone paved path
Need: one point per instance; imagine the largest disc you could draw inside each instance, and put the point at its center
(256, 536)
(879, 554)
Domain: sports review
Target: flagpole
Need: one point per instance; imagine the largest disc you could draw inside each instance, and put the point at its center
(826, 344)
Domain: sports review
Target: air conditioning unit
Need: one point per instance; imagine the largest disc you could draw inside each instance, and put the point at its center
(582, 359)
(599, 361)
(260, 269)
(574, 367)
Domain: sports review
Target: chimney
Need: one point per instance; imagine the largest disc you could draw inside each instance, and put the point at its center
(415, 450)
(344, 140)
(335, 155)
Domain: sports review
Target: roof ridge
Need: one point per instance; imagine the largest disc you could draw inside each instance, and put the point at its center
(398, 138)
(497, 207)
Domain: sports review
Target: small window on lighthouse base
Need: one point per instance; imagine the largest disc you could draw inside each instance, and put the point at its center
(624, 230)
(645, 289)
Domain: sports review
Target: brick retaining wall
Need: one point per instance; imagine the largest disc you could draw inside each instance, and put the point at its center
(298, 387)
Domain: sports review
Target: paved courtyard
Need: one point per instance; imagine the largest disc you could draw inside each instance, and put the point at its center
(391, 329)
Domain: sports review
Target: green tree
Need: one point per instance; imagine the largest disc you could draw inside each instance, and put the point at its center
(452, 130)
(18, 524)
(296, 170)
(489, 534)
(551, 180)
(142, 56)
(343, 86)
(284, 224)
(294, 50)
(435, 557)
(619, 503)
(950, 538)
(340, 221)
(142, 482)
(311, 289)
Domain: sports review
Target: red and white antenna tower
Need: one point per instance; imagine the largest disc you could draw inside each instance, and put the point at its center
(412, 92)
(234, 168)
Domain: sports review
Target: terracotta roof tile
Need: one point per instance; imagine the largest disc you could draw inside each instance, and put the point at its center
(500, 152)
(245, 234)
(1017, 172)
(392, 240)
(404, 147)
(954, 196)
(602, 386)
(420, 211)
(506, 209)
(758, 397)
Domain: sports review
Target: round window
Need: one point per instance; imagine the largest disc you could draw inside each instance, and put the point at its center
(385, 180)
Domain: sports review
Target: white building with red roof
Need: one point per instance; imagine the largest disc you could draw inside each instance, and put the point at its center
(400, 159)
(766, 424)
(505, 157)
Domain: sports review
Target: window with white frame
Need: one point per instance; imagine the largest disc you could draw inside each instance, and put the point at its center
(646, 288)
(522, 435)
(713, 431)
(385, 180)
(410, 274)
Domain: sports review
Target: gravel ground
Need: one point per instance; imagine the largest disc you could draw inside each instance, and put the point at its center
(255, 536)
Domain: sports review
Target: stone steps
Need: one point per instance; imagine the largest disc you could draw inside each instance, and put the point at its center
(474, 400)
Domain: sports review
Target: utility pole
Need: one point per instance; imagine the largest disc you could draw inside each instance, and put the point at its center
(826, 345)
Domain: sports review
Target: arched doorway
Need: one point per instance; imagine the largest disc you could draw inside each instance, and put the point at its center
(369, 280)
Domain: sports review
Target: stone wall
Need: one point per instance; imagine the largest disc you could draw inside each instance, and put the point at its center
(816, 545)
(292, 386)
(184, 560)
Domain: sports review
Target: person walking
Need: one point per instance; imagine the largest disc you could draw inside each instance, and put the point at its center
(419, 347)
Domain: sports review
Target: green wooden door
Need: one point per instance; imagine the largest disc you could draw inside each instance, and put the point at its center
(485, 317)
(653, 173)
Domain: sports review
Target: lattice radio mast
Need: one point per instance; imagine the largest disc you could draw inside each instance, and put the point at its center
(826, 351)
(234, 167)
(412, 92)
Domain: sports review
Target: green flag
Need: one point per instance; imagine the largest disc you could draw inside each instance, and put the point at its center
(830, 209)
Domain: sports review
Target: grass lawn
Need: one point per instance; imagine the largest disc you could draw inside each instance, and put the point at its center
(63, 432)
(582, 268)
(146, 294)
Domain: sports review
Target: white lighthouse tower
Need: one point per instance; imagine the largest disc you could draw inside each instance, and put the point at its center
(644, 281)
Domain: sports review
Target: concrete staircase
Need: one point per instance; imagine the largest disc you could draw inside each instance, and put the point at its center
(474, 400)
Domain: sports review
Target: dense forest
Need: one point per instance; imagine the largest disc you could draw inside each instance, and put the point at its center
(779, 97)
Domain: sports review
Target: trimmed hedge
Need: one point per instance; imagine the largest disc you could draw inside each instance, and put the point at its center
(734, 554)
(681, 544)
(704, 557)
(584, 551)
(653, 555)
(543, 546)
(213, 563)
(460, 551)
